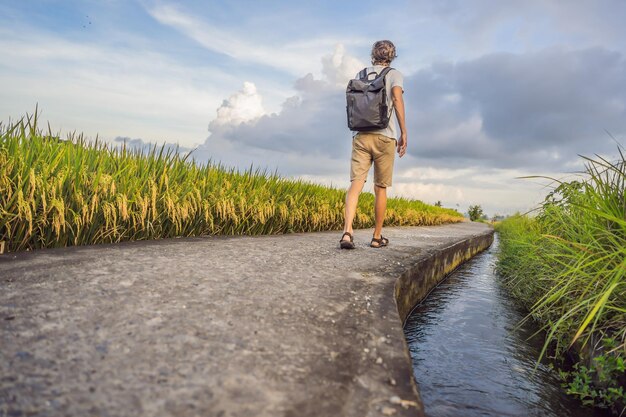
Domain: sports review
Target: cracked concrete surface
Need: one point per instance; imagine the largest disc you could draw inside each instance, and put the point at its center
(216, 326)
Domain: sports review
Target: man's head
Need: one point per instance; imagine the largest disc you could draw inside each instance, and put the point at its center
(383, 52)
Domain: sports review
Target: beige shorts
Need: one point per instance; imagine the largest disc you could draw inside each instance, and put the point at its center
(372, 147)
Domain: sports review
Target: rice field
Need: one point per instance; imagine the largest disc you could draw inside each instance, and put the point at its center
(57, 193)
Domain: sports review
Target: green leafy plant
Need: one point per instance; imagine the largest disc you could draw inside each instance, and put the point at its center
(475, 212)
(599, 384)
(567, 266)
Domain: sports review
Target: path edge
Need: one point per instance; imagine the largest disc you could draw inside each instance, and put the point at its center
(414, 285)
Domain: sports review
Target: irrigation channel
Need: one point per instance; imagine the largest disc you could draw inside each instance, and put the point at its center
(472, 358)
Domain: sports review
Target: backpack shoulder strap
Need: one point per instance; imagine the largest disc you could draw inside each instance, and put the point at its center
(384, 72)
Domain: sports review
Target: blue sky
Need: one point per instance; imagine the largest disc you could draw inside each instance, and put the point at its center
(494, 90)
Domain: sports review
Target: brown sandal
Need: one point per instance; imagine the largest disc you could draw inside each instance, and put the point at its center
(346, 244)
(383, 241)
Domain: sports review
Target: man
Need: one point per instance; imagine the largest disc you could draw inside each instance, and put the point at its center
(379, 147)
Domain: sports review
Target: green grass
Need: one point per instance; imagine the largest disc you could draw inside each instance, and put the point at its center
(56, 193)
(567, 265)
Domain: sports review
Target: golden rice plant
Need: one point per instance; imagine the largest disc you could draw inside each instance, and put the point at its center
(56, 193)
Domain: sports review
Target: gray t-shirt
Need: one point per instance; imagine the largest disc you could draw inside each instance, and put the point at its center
(394, 78)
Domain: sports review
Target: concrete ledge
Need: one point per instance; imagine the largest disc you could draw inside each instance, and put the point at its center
(415, 284)
(220, 326)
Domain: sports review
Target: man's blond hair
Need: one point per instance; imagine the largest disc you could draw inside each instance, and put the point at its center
(383, 52)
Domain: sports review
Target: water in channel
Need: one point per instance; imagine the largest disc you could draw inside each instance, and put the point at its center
(470, 358)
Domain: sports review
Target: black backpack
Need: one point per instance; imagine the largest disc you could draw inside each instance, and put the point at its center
(367, 106)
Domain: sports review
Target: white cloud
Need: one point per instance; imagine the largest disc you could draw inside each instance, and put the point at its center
(339, 67)
(243, 106)
(308, 124)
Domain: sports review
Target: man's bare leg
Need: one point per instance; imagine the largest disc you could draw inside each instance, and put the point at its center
(352, 199)
(380, 208)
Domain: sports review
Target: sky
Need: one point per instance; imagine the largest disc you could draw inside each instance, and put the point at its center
(494, 91)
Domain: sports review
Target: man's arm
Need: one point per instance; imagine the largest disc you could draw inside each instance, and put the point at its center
(398, 104)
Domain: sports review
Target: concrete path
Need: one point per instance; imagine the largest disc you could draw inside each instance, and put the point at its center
(215, 326)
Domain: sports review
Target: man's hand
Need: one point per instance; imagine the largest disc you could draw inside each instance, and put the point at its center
(402, 142)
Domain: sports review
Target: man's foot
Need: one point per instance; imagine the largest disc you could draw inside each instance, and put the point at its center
(346, 241)
(379, 243)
